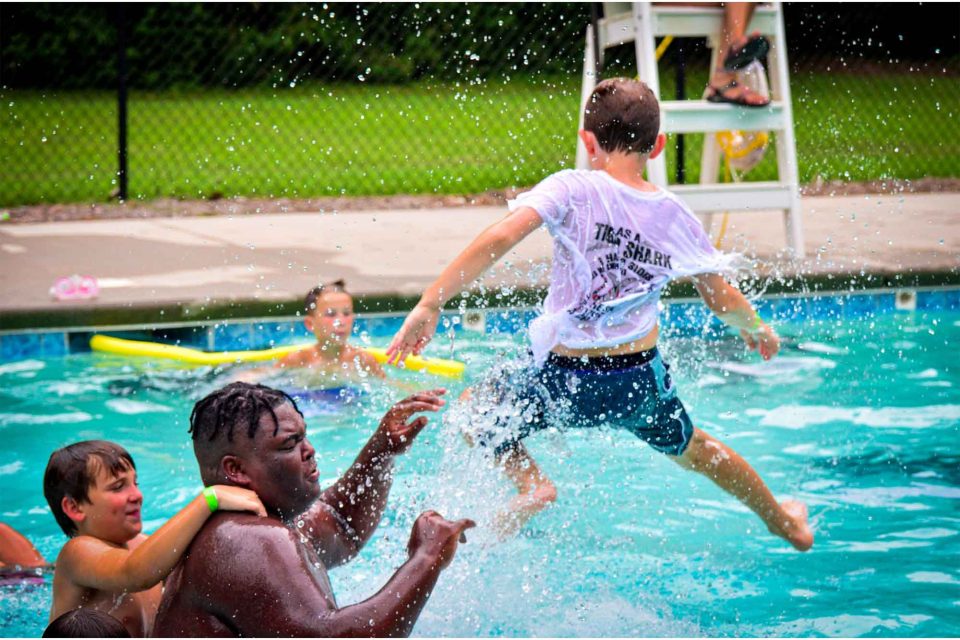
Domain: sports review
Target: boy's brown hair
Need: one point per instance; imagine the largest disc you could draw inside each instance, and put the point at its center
(72, 470)
(86, 623)
(624, 115)
(310, 301)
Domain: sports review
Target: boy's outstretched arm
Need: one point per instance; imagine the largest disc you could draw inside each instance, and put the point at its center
(733, 308)
(484, 251)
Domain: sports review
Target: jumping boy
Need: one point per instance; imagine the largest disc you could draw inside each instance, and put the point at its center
(108, 564)
(617, 240)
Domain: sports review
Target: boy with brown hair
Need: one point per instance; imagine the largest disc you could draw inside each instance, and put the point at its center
(108, 564)
(618, 240)
(85, 623)
(328, 315)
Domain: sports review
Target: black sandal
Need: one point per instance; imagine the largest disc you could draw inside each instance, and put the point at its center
(716, 94)
(754, 49)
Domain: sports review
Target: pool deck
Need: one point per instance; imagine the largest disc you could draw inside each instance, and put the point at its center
(170, 269)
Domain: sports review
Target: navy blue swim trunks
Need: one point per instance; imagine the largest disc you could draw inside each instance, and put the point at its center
(632, 392)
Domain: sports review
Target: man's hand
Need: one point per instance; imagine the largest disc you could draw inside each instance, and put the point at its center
(395, 434)
(414, 335)
(437, 538)
(765, 341)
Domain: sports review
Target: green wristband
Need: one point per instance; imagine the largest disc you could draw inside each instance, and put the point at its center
(211, 497)
(757, 322)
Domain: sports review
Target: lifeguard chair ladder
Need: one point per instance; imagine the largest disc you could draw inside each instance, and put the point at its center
(642, 23)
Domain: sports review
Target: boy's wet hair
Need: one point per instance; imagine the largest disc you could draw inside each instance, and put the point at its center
(237, 404)
(85, 623)
(72, 470)
(310, 301)
(624, 115)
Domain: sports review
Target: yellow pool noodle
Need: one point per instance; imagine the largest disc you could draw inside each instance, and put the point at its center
(123, 347)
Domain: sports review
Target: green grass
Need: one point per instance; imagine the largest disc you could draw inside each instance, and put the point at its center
(425, 138)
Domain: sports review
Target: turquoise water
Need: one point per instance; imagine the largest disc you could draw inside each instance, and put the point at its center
(859, 418)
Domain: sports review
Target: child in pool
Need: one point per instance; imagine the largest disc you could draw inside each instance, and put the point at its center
(618, 240)
(328, 314)
(108, 564)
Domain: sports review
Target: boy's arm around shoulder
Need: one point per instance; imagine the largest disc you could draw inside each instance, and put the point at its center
(97, 564)
(488, 247)
(732, 307)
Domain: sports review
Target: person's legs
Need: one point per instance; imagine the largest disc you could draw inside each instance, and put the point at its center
(710, 457)
(536, 491)
(736, 17)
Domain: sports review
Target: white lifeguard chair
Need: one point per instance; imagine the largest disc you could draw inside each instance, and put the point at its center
(642, 23)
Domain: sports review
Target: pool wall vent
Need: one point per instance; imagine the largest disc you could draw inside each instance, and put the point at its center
(906, 300)
(475, 321)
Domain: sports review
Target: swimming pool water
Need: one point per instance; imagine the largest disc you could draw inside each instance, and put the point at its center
(857, 417)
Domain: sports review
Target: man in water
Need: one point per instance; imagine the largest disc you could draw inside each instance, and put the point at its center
(249, 576)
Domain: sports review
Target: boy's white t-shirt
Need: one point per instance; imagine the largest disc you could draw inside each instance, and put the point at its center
(614, 249)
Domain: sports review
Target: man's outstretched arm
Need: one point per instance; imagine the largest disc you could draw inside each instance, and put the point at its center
(283, 594)
(347, 513)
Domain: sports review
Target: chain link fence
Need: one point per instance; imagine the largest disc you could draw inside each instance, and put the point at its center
(304, 100)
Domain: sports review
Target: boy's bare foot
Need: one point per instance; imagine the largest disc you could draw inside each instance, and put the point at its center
(506, 524)
(523, 507)
(797, 531)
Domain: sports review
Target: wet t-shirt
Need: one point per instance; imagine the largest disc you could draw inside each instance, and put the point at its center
(614, 249)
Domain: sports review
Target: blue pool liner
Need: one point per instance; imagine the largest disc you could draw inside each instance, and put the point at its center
(679, 318)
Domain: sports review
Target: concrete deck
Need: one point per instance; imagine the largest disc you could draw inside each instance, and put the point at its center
(204, 261)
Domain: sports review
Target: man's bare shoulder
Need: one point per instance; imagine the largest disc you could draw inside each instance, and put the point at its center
(228, 543)
(235, 530)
